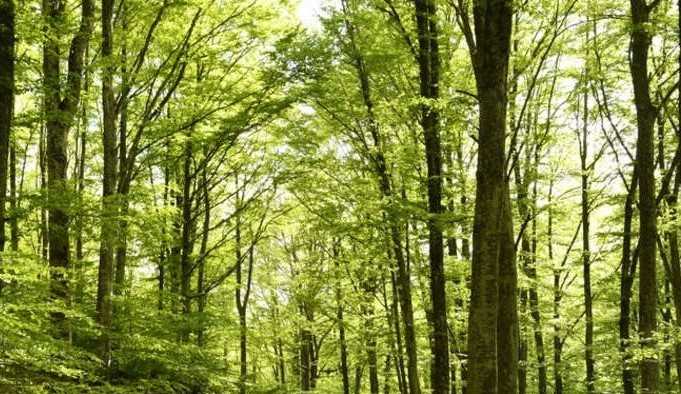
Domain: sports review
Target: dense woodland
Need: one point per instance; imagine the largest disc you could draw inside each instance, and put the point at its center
(385, 196)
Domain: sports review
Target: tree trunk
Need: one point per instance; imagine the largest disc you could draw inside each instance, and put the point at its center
(59, 113)
(243, 351)
(557, 297)
(123, 186)
(305, 360)
(108, 232)
(6, 105)
(626, 282)
(80, 186)
(242, 298)
(342, 342)
(384, 183)
(13, 198)
(586, 251)
(399, 349)
(187, 225)
(429, 73)
(493, 320)
(201, 275)
(645, 119)
(42, 163)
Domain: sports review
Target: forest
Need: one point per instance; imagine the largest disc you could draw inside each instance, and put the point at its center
(340, 196)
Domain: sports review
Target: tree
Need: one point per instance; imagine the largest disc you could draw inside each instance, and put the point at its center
(493, 320)
(7, 49)
(645, 119)
(429, 75)
(60, 105)
(108, 234)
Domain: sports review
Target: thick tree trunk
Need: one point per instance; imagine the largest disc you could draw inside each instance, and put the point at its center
(59, 113)
(108, 231)
(493, 320)
(645, 117)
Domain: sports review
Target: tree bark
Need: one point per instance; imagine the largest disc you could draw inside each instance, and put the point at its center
(429, 75)
(557, 298)
(59, 113)
(201, 275)
(493, 319)
(341, 334)
(586, 247)
(187, 226)
(108, 232)
(7, 40)
(13, 198)
(628, 270)
(645, 120)
(123, 185)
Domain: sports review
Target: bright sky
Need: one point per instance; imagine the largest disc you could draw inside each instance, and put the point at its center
(309, 12)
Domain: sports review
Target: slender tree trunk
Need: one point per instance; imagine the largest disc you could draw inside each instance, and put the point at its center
(342, 342)
(282, 365)
(108, 233)
(667, 309)
(243, 351)
(626, 282)
(13, 198)
(201, 276)
(399, 349)
(667, 318)
(522, 182)
(305, 360)
(557, 297)
(80, 186)
(241, 308)
(187, 226)
(123, 185)
(645, 117)
(586, 251)
(381, 170)
(493, 319)
(242, 298)
(534, 291)
(386, 373)
(6, 105)
(358, 379)
(42, 162)
(429, 73)
(370, 341)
